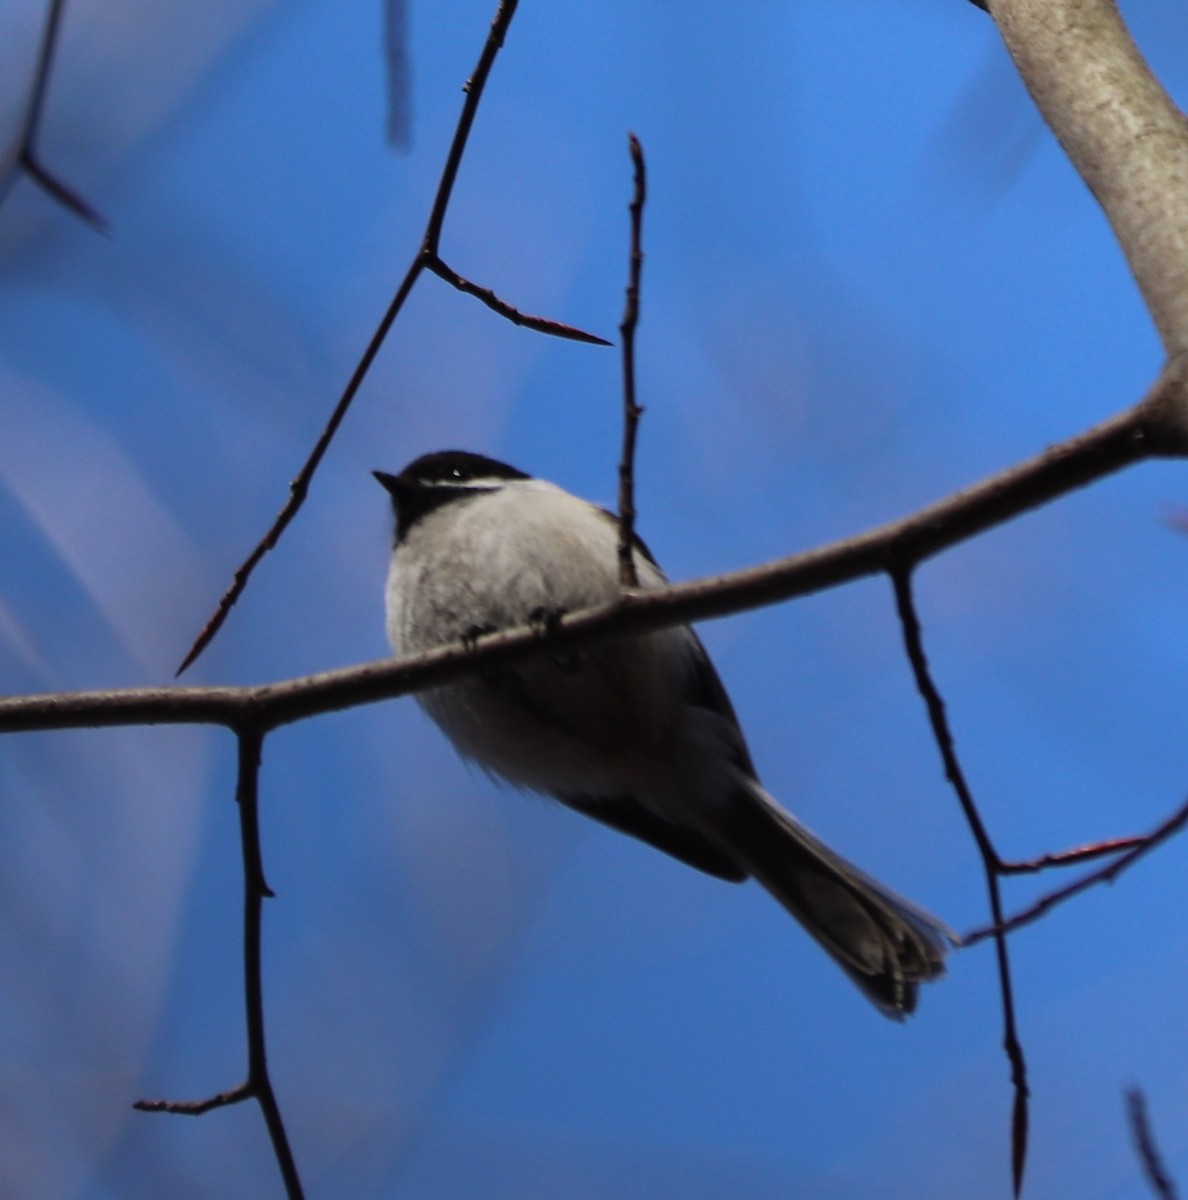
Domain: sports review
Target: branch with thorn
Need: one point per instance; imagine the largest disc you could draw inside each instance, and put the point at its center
(428, 258)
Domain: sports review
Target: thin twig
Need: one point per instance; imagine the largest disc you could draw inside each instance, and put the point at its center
(631, 409)
(26, 158)
(57, 190)
(901, 579)
(473, 89)
(427, 258)
(1140, 847)
(1068, 858)
(195, 1108)
(493, 302)
(1154, 1168)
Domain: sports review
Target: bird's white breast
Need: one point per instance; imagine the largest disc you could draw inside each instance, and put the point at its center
(597, 718)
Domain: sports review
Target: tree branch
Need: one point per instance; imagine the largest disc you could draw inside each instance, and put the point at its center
(495, 304)
(1068, 858)
(913, 641)
(26, 158)
(196, 1108)
(1138, 847)
(1136, 434)
(1154, 1168)
(631, 409)
(427, 258)
(1123, 133)
(258, 1085)
(255, 892)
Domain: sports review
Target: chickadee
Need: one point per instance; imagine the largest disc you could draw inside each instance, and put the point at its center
(636, 732)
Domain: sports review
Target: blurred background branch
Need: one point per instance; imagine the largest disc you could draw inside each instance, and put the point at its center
(22, 155)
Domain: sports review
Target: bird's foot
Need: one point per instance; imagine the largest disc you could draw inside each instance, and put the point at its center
(470, 639)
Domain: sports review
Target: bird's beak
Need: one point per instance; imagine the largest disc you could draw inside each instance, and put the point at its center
(390, 483)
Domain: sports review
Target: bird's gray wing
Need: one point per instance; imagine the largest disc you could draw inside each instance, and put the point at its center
(629, 816)
(703, 689)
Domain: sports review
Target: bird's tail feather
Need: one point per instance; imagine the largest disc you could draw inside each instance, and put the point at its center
(884, 943)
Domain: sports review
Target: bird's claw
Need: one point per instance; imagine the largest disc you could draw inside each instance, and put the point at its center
(470, 639)
(546, 619)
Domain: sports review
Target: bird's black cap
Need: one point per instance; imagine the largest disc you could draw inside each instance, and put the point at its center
(435, 479)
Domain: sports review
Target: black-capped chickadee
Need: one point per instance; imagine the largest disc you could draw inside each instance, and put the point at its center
(636, 732)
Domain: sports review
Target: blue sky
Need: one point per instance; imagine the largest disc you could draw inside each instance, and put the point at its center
(871, 278)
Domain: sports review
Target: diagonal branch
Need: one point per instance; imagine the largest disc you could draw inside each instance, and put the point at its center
(1139, 433)
(426, 258)
(495, 304)
(299, 485)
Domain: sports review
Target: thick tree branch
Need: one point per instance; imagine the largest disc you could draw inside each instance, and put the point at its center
(1123, 133)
